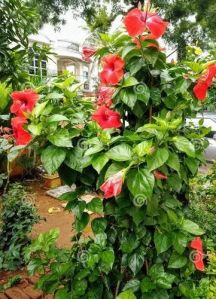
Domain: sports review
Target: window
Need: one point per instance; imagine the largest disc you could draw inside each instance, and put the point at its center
(86, 77)
(38, 67)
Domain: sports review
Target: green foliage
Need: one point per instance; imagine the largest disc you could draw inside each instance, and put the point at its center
(61, 118)
(18, 21)
(10, 283)
(140, 244)
(202, 202)
(18, 215)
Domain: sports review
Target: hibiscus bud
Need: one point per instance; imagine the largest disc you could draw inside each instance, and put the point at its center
(113, 186)
(159, 175)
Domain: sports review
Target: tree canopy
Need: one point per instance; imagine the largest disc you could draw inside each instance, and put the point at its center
(192, 21)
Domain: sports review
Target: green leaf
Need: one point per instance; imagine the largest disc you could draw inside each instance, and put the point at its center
(136, 261)
(107, 258)
(99, 162)
(120, 152)
(173, 161)
(177, 261)
(192, 164)
(99, 225)
(5, 98)
(74, 158)
(147, 285)
(156, 270)
(39, 108)
(127, 50)
(62, 294)
(165, 280)
(82, 222)
(35, 129)
(129, 243)
(95, 205)
(184, 145)
(175, 182)
(140, 182)
(113, 169)
(162, 241)
(191, 227)
(128, 97)
(157, 159)
(132, 285)
(130, 81)
(52, 157)
(57, 118)
(143, 92)
(127, 295)
(143, 148)
(93, 150)
(179, 242)
(60, 138)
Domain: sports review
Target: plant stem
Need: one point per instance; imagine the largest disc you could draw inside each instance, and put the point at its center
(150, 113)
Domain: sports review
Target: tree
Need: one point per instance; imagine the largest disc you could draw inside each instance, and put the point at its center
(17, 22)
(193, 21)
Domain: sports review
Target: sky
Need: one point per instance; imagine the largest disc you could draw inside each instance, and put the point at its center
(74, 30)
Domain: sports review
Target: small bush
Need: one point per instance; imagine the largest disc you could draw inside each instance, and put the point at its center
(202, 204)
(18, 215)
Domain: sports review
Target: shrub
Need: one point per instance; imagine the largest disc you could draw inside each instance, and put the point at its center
(202, 202)
(138, 152)
(18, 215)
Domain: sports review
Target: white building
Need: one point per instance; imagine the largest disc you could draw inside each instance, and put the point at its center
(66, 44)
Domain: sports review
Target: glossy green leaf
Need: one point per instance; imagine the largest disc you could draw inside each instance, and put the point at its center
(157, 159)
(126, 295)
(61, 138)
(184, 145)
(95, 205)
(130, 81)
(120, 152)
(173, 161)
(99, 162)
(52, 157)
(177, 261)
(140, 182)
(162, 241)
(143, 148)
(82, 222)
(191, 227)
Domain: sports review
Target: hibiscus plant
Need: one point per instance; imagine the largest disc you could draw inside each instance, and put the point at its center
(138, 154)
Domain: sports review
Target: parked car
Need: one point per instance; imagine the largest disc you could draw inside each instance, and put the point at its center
(209, 121)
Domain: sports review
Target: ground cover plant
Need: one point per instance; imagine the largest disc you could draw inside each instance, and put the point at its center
(137, 154)
(18, 215)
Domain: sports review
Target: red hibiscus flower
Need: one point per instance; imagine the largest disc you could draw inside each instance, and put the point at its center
(198, 256)
(112, 71)
(201, 88)
(107, 118)
(159, 175)
(87, 53)
(211, 73)
(137, 21)
(105, 96)
(113, 186)
(23, 101)
(21, 136)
